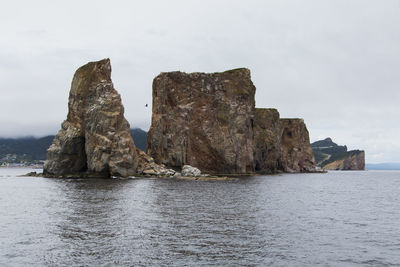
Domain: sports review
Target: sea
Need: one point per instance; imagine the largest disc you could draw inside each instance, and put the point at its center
(334, 219)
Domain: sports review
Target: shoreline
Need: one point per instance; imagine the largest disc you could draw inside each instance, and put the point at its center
(221, 177)
(88, 176)
(22, 167)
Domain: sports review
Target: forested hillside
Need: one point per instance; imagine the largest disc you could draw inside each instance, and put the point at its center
(33, 150)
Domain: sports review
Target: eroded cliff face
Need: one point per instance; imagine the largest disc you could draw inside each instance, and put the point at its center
(356, 161)
(203, 120)
(95, 138)
(267, 138)
(282, 145)
(297, 153)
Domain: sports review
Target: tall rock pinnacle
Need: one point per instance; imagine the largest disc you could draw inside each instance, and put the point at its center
(95, 137)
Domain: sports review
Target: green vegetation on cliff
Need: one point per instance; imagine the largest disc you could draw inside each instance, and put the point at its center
(327, 152)
(28, 149)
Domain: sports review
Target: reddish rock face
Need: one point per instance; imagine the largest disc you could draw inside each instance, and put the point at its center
(356, 161)
(203, 120)
(298, 155)
(281, 144)
(267, 138)
(95, 137)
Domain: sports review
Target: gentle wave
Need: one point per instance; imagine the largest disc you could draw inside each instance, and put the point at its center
(333, 219)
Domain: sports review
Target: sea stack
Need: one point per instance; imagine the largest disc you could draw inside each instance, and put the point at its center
(297, 153)
(267, 138)
(282, 145)
(204, 120)
(95, 138)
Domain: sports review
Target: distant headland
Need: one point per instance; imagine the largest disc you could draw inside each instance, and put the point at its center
(331, 156)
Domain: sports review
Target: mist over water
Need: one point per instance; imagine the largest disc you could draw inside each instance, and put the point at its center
(338, 218)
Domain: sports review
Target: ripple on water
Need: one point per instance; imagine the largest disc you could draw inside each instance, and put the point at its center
(339, 218)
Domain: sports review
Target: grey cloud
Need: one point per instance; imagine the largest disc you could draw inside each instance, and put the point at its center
(334, 63)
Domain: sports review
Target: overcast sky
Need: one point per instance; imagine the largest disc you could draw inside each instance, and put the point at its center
(335, 63)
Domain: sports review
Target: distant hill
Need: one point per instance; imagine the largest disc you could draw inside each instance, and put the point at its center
(139, 138)
(27, 149)
(324, 149)
(383, 166)
(332, 156)
(30, 149)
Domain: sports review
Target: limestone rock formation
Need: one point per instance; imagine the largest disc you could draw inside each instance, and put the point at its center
(297, 154)
(208, 121)
(95, 138)
(188, 171)
(203, 120)
(267, 138)
(281, 144)
(148, 167)
(355, 161)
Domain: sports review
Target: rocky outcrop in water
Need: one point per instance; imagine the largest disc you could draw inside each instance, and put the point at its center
(203, 120)
(297, 154)
(356, 161)
(95, 137)
(267, 138)
(331, 156)
(189, 171)
(95, 140)
(148, 167)
(282, 145)
(209, 121)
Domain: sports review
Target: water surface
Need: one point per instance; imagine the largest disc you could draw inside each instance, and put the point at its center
(334, 219)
